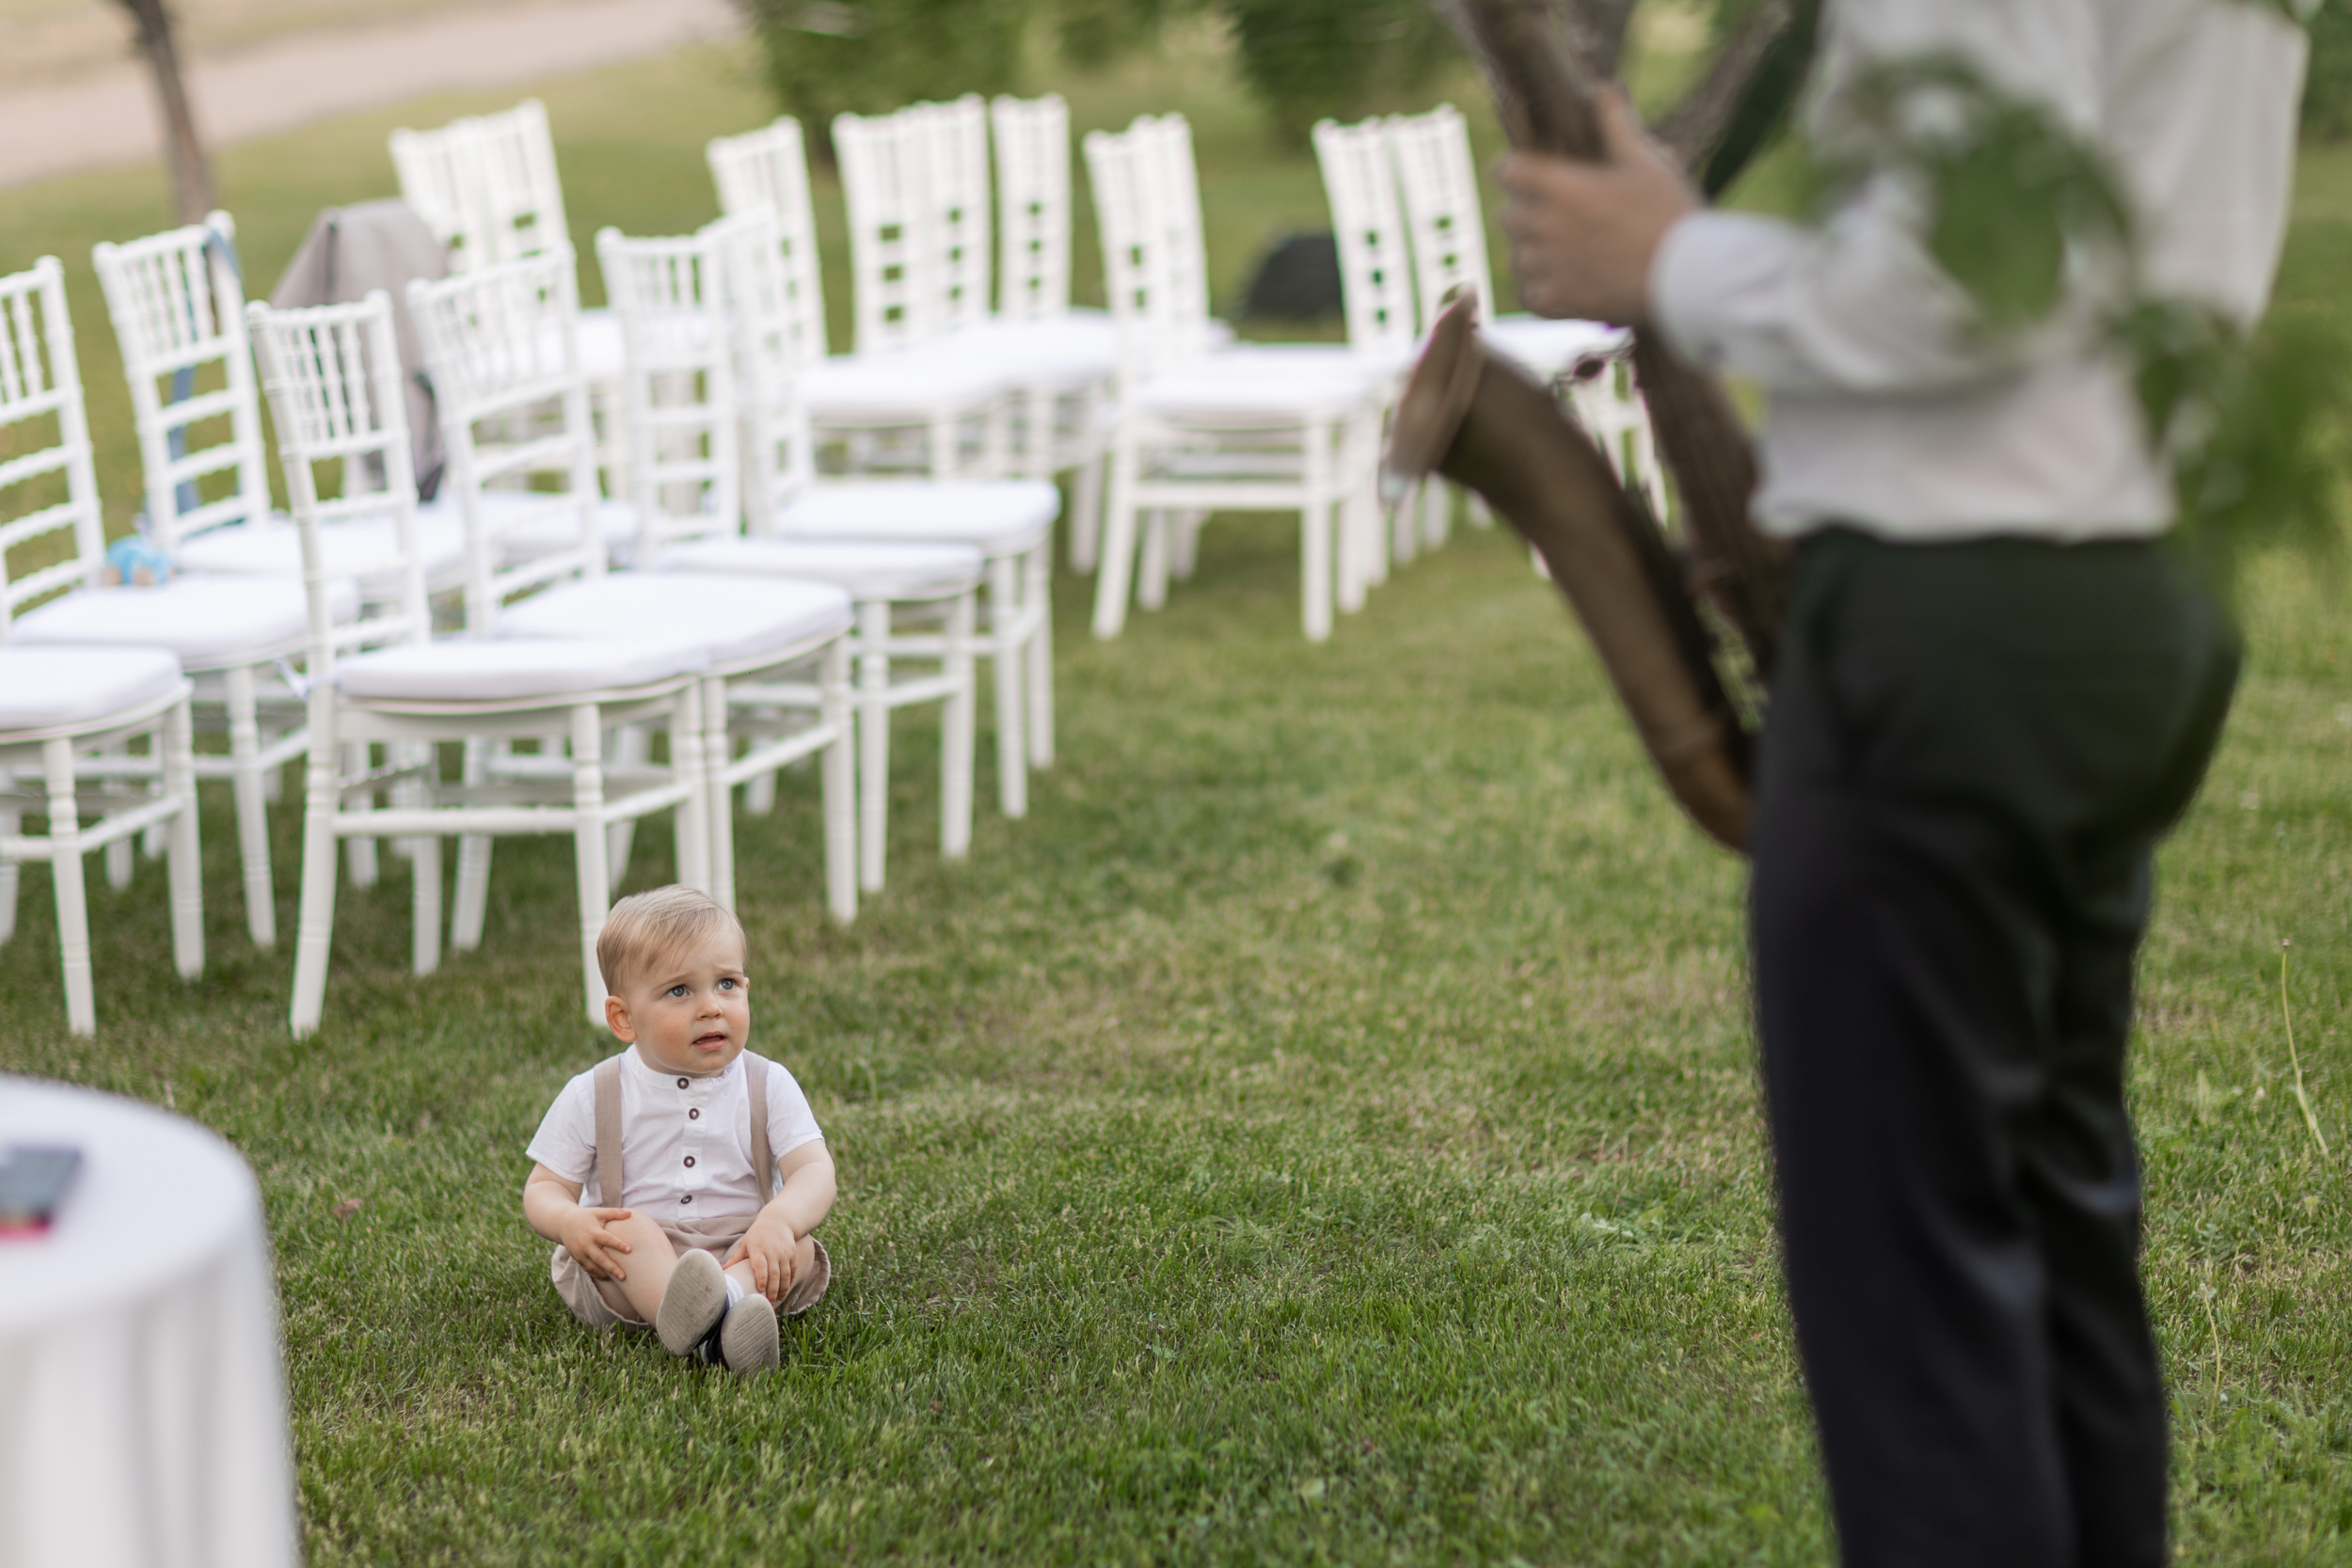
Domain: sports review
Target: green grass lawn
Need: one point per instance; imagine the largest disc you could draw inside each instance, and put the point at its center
(1325, 1130)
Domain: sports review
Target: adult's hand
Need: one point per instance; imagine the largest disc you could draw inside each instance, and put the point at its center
(1583, 235)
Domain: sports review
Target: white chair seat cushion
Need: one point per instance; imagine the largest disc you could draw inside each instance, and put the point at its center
(602, 353)
(57, 688)
(1210, 392)
(735, 621)
(365, 551)
(207, 622)
(1056, 352)
(1549, 347)
(901, 385)
(859, 569)
(463, 671)
(527, 527)
(995, 516)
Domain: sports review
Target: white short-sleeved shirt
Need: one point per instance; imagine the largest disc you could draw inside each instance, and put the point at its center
(686, 1142)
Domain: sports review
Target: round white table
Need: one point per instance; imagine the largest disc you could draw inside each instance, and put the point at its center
(142, 1408)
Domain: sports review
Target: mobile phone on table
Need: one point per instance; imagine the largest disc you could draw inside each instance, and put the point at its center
(33, 1182)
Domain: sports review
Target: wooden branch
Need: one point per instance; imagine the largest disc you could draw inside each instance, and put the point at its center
(183, 152)
(1693, 126)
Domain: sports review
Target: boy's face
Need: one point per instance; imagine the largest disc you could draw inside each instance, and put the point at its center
(689, 1010)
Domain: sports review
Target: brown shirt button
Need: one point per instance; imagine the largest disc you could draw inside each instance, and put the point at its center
(694, 1115)
(681, 1082)
(690, 1159)
(687, 1197)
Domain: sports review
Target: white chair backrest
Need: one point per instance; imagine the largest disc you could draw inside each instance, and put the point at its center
(1033, 206)
(177, 306)
(1172, 184)
(677, 385)
(338, 398)
(502, 346)
(767, 169)
(771, 350)
(1376, 272)
(486, 184)
(957, 208)
(1125, 170)
(44, 433)
(1432, 154)
(434, 182)
(884, 163)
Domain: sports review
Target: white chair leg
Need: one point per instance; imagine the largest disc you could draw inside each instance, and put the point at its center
(1152, 571)
(1012, 747)
(705, 828)
(631, 746)
(10, 823)
(65, 874)
(183, 860)
(244, 748)
(1361, 540)
(1115, 571)
(759, 794)
(588, 825)
(473, 865)
(1038, 600)
(424, 903)
(1184, 554)
(957, 724)
(1405, 526)
(840, 785)
(1315, 526)
(359, 848)
(314, 924)
(1481, 514)
(1086, 511)
(1437, 512)
(873, 743)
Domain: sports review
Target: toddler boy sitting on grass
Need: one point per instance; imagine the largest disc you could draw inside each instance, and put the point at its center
(651, 1171)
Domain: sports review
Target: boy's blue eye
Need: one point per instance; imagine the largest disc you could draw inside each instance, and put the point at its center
(678, 991)
(727, 985)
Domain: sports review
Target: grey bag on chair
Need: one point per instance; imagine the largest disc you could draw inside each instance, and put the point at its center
(375, 245)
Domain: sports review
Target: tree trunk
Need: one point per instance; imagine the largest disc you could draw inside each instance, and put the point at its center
(191, 175)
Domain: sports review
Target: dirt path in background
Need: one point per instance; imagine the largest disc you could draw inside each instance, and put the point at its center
(108, 118)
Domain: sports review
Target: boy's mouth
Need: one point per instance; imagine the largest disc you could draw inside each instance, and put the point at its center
(715, 1040)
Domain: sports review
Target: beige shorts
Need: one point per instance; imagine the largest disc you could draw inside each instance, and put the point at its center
(716, 1236)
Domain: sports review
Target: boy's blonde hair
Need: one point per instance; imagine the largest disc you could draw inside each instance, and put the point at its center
(647, 927)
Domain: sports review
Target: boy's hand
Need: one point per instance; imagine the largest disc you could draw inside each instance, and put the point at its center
(584, 1236)
(774, 1251)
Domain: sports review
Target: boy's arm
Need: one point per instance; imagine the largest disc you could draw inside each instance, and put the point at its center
(805, 1198)
(552, 1206)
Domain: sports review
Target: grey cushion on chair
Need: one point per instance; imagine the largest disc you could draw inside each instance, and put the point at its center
(55, 689)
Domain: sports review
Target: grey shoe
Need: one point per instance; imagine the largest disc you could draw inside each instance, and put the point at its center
(693, 1304)
(747, 1340)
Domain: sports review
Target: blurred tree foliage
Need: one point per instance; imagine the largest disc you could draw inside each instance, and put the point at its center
(2327, 92)
(1302, 59)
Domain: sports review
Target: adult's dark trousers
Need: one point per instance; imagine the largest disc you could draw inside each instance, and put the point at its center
(1971, 751)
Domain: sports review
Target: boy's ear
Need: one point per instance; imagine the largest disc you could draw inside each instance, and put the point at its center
(617, 1020)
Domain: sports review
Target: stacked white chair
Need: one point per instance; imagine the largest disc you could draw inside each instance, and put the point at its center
(333, 377)
(895, 403)
(1068, 357)
(173, 299)
(487, 187)
(502, 347)
(676, 299)
(779, 322)
(66, 713)
(1201, 428)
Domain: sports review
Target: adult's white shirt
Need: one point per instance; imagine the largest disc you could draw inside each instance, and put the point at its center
(1885, 411)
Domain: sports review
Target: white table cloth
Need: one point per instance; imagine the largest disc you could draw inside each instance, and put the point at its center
(142, 1407)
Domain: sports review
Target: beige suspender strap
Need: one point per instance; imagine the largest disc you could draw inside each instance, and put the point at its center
(756, 1086)
(608, 1170)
